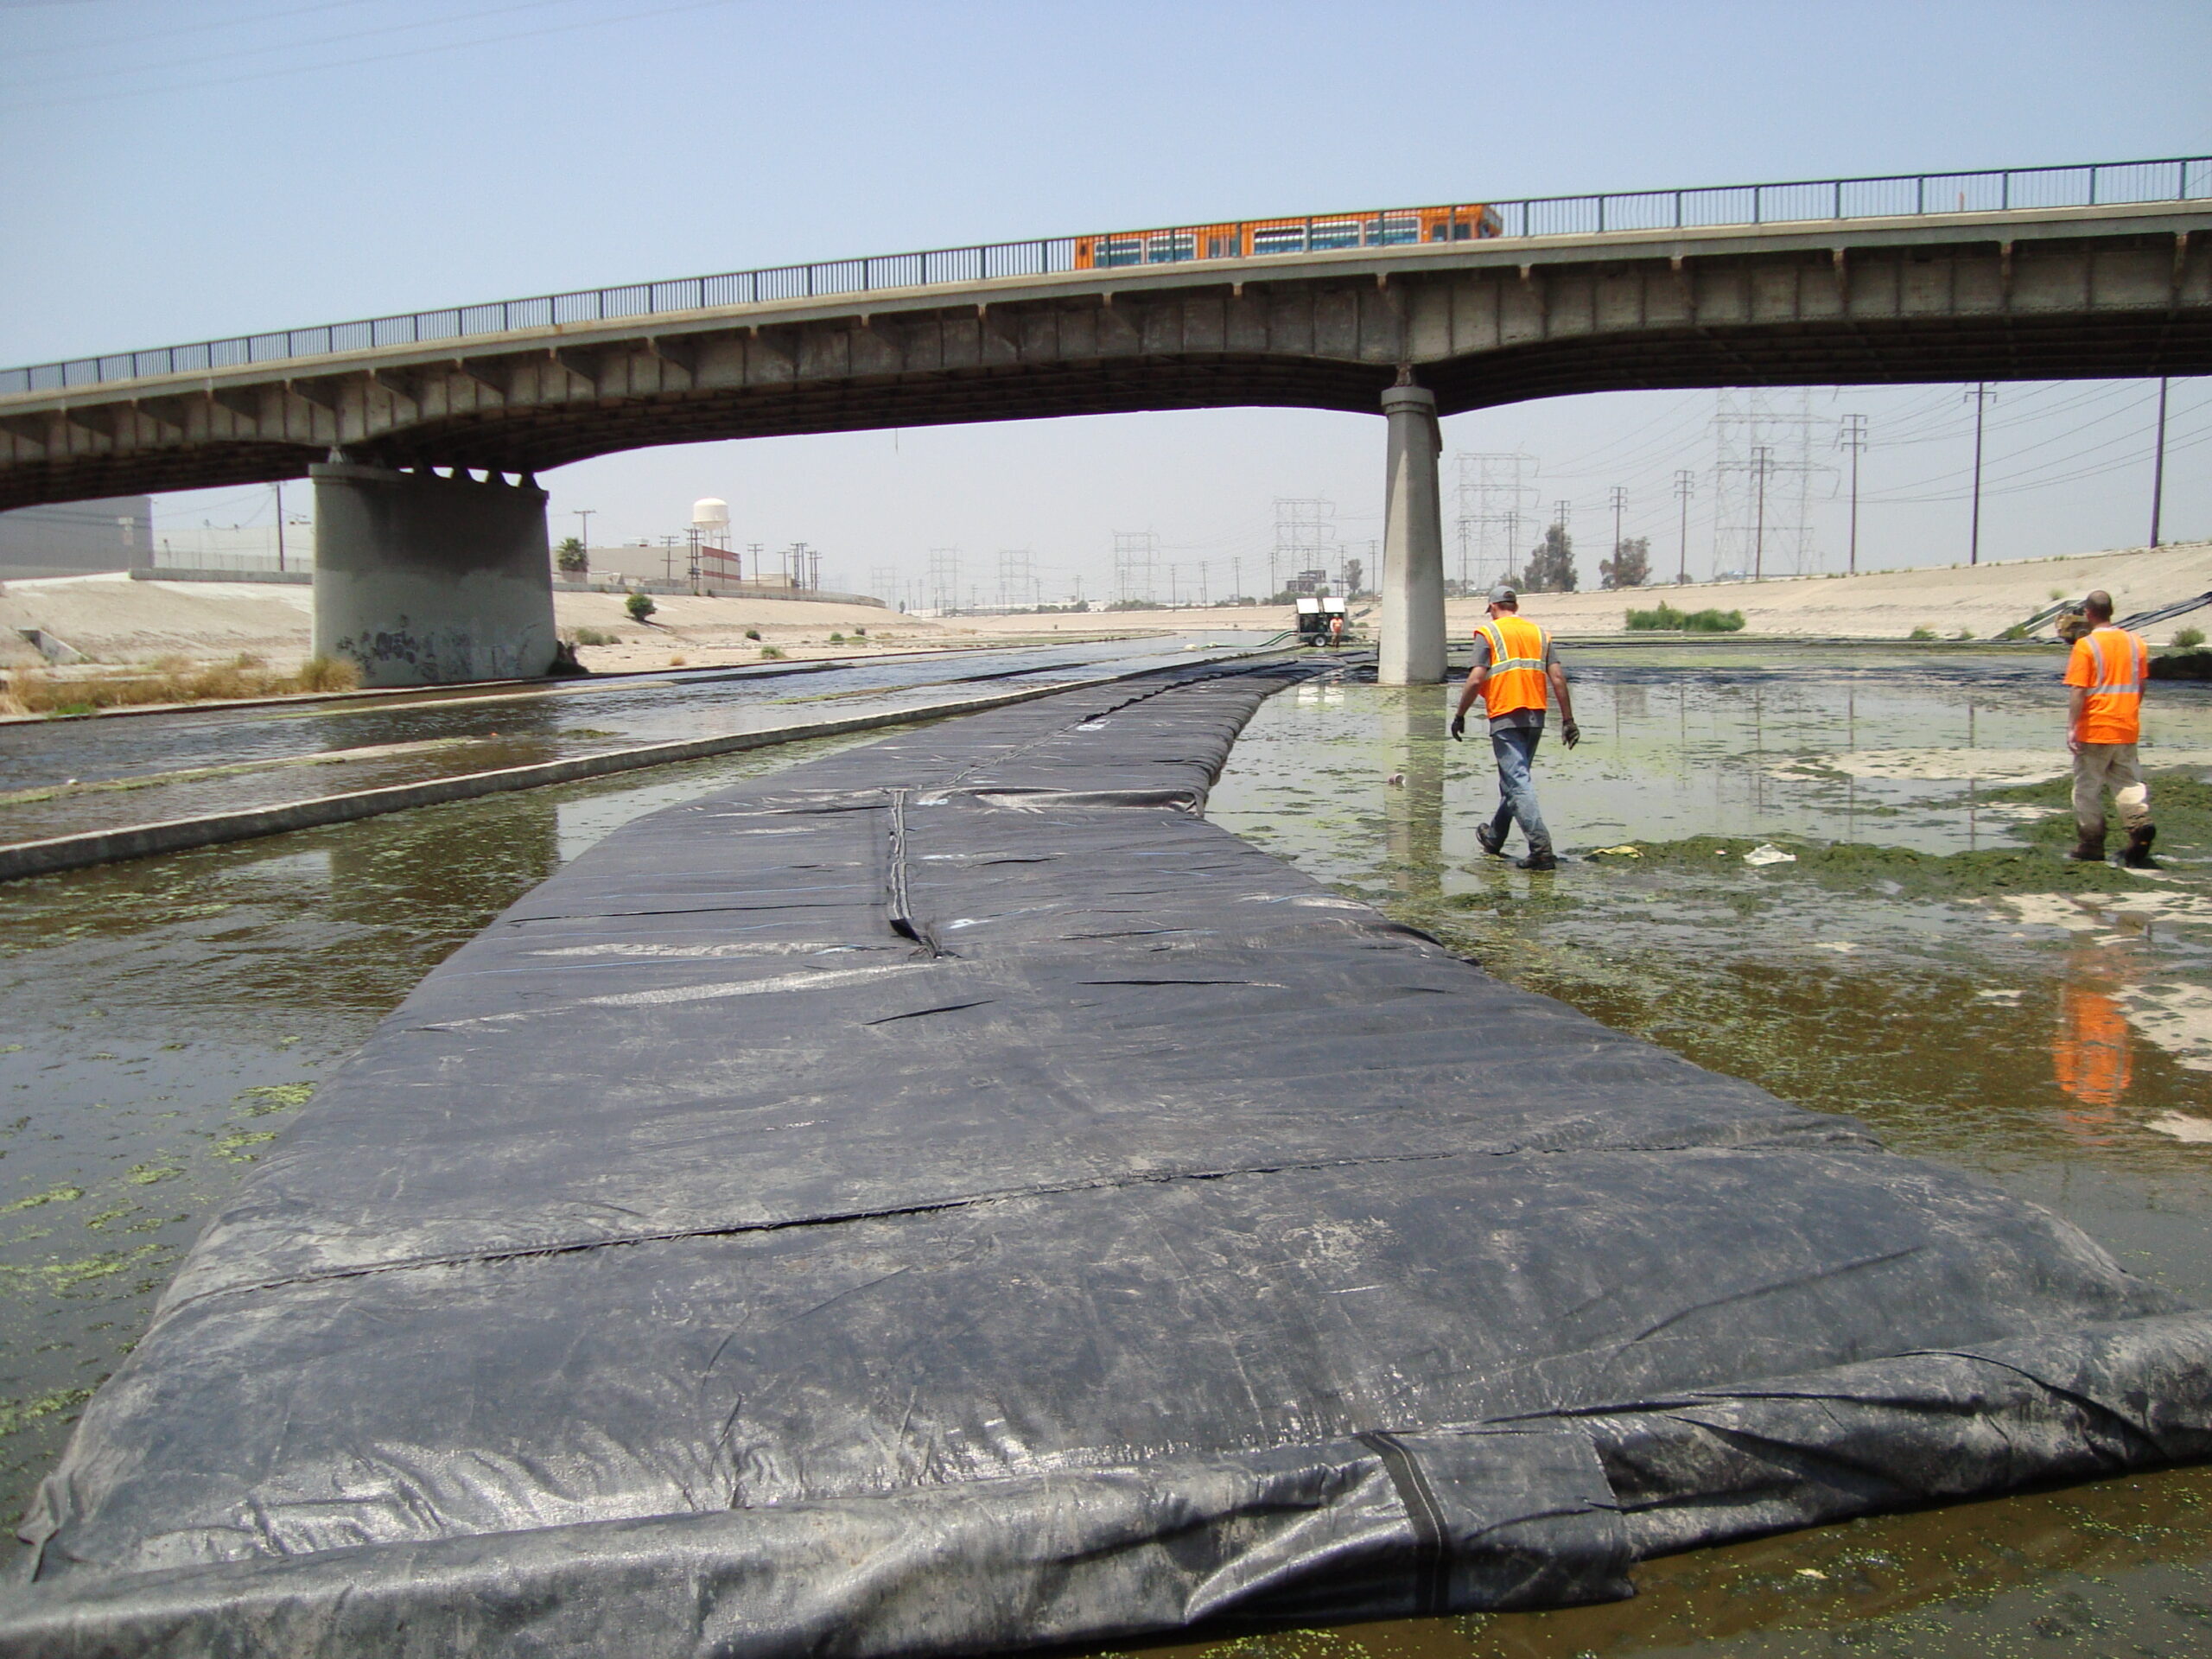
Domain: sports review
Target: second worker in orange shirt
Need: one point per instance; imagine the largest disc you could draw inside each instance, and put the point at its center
(2104, 720)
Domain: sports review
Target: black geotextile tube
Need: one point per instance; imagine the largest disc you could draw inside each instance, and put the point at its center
(947, 1197)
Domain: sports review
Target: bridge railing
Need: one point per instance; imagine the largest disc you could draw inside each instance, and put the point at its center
(2098, 184)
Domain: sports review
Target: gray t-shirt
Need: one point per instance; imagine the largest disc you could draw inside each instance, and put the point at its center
(1526, 719)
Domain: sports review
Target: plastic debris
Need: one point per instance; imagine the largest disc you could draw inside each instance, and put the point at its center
(1767, 853)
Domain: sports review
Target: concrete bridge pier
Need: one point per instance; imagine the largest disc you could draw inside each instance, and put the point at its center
(425, 581)
(1412, 543)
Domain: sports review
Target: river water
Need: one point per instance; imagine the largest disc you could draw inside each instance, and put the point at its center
(1922, 961)
(68, 777)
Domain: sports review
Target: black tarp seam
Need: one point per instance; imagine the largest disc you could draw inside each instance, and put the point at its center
(965, 1201)
(1431, 1545)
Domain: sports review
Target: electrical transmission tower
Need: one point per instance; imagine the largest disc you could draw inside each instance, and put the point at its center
(1496, 495)
(944, 579)
(1137, 560)
(883, 583)
(1017, 580)
(1305, 539)
(1762, 503)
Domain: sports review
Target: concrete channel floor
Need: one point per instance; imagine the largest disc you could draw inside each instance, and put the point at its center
(164, 1016)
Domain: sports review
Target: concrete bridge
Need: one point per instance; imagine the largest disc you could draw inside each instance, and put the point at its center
(440, 575)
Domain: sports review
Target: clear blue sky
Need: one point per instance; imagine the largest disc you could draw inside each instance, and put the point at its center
(181, 170)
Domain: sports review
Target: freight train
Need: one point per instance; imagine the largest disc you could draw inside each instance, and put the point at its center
(1247, 238)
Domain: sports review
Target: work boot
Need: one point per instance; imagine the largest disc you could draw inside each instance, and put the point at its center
(2137, 856)
(1539, 858)
(2088, 844)
(1489, 840)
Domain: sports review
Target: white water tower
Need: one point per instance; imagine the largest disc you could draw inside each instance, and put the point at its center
(710, 554)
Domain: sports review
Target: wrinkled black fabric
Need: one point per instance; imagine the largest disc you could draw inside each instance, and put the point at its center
(948, 1197)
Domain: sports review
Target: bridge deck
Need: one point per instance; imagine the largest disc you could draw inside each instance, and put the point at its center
(2021, 293)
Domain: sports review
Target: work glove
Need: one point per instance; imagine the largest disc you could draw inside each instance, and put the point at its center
(1572, 735)
(1459, 729)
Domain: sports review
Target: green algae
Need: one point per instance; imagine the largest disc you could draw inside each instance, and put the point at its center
(274, 1097)
(233, 1146)
(16, 1414)
(65, 1194)
(2182, 805)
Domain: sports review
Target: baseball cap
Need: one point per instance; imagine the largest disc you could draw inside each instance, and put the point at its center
(1504, 595)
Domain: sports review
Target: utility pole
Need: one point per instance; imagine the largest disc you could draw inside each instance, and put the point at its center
(1853, 438)
(1761, 463)
(1620, 500)
(2158, 474)
(1981, 394)
(752, 551)
(279, 487)
(692, 574)
(1684, 484)
(583, 527)
(668, 560)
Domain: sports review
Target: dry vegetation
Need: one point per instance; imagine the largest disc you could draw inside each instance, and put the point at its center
(169, 679)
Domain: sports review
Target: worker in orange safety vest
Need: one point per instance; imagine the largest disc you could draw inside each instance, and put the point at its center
(1517, 673)
(2107, 672)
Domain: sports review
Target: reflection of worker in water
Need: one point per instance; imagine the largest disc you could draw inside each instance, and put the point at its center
(2107, 672)
(1516, 665)
(2089, 1050)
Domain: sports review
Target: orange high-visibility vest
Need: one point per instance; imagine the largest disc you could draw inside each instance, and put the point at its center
(2111, 665)
(1516, 665)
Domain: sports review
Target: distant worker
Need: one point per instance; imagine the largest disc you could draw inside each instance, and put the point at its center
(1335, 629)
(2104, 719)
(1517, 671)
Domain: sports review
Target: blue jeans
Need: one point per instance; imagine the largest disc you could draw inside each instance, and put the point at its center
(1515, 749)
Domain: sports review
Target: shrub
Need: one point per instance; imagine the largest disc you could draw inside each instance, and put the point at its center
(2187, 639)
(753, 633)
(1963, 634)
(836, 639)
(176, 680)
(675, 662)
(860, 633)
(1923, 631)
(1666, 618)
(770, 653)
(329, 674)
(594, 636)
(640, 605)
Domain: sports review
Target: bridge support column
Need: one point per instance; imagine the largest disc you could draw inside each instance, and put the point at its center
(1412, 544)
(427, 581)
